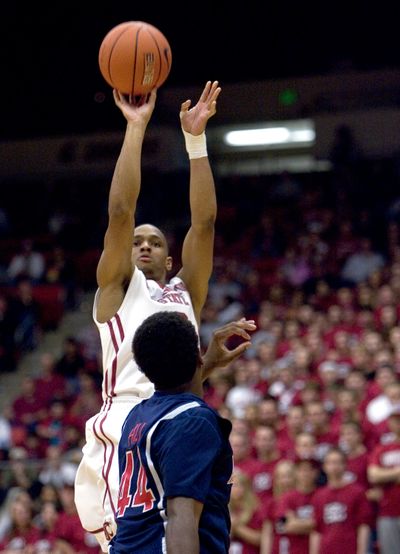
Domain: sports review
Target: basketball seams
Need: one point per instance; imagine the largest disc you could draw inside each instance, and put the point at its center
(111, 50)
(136, 46)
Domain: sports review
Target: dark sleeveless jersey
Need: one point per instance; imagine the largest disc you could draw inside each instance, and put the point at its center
(172, 445)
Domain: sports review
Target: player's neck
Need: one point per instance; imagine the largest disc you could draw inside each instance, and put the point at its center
(193, 387)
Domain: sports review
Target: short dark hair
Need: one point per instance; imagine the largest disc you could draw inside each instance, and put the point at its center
(165, 347)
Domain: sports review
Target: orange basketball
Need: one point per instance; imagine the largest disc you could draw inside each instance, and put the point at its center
(135, 57)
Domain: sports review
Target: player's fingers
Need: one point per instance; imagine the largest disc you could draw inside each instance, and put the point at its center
(206, 92)
(229, 330)
(215, 93)
(185, 105)
(117, 96)
(238, 351)
(151, 98)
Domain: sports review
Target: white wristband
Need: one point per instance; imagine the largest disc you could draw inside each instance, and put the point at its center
(196, 145)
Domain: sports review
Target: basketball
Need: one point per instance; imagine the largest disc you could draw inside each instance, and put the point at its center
(135, 57)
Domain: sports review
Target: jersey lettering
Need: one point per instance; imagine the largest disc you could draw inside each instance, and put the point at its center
(135, 434)
(143, 496)
(124, 498)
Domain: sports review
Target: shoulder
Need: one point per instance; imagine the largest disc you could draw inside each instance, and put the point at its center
(177, 283)
(197, 417)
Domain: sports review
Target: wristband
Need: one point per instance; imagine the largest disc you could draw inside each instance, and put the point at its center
(196, 145)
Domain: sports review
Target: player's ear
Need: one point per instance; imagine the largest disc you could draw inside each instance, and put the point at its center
(168, 263)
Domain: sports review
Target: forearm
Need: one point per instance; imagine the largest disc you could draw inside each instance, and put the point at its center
(266, 538)
(297, 526)
(182, 537)
(379, 475)
(125, 185)
(247, 534)
(362, 539)
(203, 201)
(315, 540)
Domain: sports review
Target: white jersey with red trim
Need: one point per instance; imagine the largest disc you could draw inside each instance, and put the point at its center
(124, 385)
(143, 298)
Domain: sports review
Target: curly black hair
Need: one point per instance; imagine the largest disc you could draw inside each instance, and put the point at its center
(165, 347)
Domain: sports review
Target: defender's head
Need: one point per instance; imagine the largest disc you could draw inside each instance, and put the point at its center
(165, 347)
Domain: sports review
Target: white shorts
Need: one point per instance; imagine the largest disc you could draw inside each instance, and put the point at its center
(97, 478)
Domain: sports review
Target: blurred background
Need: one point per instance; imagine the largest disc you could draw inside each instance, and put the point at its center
(307, 236)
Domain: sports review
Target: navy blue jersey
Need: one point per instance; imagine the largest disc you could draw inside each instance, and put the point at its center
(172, 445)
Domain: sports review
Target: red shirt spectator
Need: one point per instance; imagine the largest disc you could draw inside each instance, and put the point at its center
(247, 516)
(49, 385)
(295, 509)
(69, 527)
(387, 457)
(300, 504)
(22, 532)
(27, 408)
(318, 422)
(342, 511)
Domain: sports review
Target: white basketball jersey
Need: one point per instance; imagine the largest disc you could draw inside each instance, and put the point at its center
(121, 376)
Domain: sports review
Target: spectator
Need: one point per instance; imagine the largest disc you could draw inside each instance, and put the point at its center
(247, 516)
(384, 472)
(48, 384)
(60, 270)
(8, 353)
(19, 473)
(362, 264)
(69, 528)
(294, 425)
(22, 534)
(28, 263)
(351, 442)
(5, 430)
(27, 409)
(379, 408)
(319, 426)
(70, 363)
(46, 525)
(295, 509)
(342, 512)
(26, 313)
(305, 446)
(242, 393)
(273, 538)
(267, 453)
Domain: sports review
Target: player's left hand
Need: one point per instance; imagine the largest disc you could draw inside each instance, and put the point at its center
(194, 120)
(218, 355)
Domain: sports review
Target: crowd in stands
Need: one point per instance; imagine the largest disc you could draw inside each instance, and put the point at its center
(314, 403)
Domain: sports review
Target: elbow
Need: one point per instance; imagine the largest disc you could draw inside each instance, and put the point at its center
(119, 212)
(206, 225)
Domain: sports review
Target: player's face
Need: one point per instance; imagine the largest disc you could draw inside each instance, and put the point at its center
(150, 252)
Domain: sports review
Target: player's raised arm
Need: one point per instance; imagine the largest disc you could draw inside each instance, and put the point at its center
(198, 246)
(115, 266)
